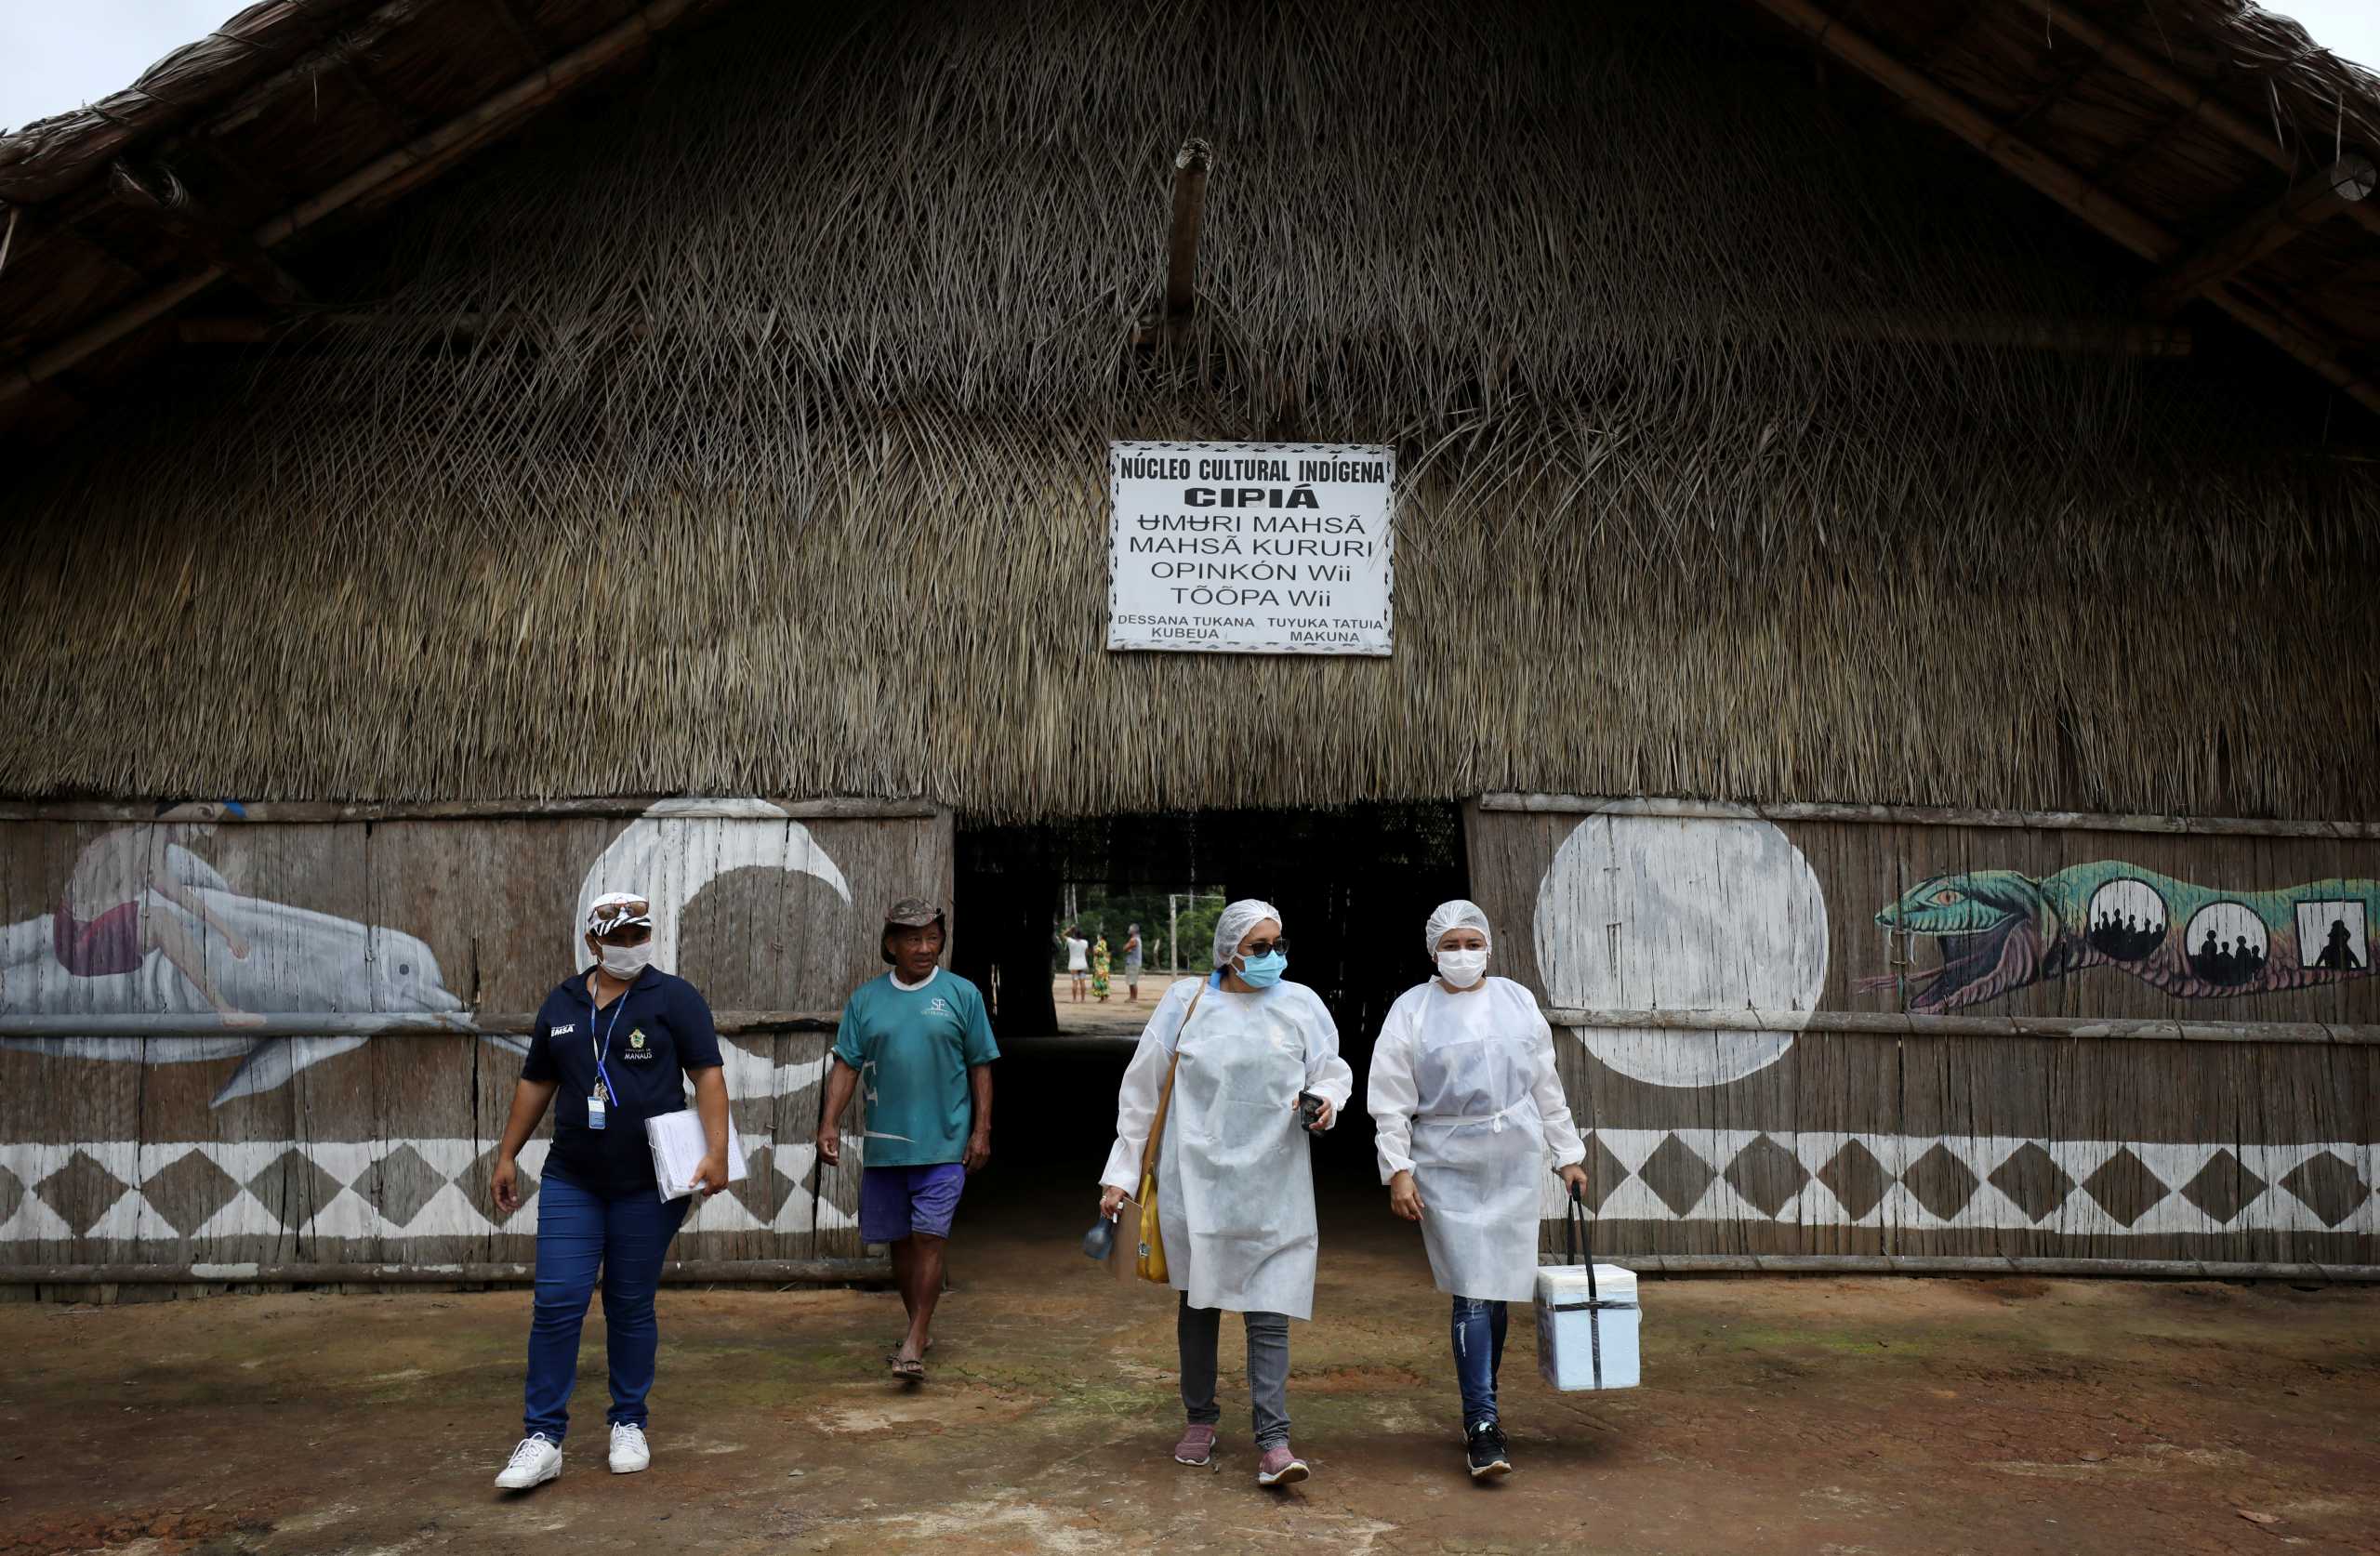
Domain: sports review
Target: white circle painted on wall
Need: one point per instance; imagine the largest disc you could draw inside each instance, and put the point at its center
(1652, 913)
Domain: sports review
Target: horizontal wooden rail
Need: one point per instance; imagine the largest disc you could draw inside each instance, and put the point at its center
(743, 1024)
(627, 807)
(1925, 815)
(2021, 332)
(1971, 1266)
(676, 1271)
(1899, 1024)
(354, 1024)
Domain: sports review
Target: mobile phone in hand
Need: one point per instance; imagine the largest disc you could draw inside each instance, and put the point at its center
(1309, 1109)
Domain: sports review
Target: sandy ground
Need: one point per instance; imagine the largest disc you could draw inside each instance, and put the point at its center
(1115, 1013)
(1778, 1415)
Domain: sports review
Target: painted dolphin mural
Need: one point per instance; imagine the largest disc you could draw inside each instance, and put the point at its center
(2001, 930)
(300, 962)
(296, 961)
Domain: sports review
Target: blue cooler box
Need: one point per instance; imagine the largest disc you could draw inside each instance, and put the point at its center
(1586, 1331)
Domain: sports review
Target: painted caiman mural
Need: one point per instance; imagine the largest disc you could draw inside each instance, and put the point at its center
(2001, 930)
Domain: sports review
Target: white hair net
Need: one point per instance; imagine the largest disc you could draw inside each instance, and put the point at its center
(1461, 914)
(1237, 919)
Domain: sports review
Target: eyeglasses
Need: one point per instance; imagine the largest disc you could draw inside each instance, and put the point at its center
(1265, 947)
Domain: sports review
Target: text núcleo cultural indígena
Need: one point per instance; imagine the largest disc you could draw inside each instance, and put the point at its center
(1176, 467)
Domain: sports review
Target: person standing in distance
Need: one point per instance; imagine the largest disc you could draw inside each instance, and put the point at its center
(1077, 961)
(1132, 962)
(918, 1039)
(618, 1043)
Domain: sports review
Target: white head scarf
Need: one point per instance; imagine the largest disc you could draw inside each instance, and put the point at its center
(1237, 919)
(1461, 914)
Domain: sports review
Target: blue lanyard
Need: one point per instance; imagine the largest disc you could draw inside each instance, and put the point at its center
(603, 1078)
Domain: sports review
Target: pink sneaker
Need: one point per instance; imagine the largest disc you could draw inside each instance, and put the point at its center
(1197, 1445)
(1280, 1466)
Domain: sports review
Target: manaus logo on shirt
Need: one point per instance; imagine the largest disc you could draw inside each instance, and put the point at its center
(637, 1048)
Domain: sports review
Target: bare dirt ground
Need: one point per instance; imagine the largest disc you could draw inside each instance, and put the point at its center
(1833, 1415)
(1117, 1014)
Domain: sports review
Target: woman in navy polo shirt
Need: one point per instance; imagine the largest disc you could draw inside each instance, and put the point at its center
(618, 1044)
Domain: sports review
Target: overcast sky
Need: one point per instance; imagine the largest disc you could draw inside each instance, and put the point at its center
(55, 56)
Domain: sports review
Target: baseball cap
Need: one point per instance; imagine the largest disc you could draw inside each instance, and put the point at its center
(909, 912)
(616, 910)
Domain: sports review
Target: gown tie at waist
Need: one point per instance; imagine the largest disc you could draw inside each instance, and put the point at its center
(1494, 1120)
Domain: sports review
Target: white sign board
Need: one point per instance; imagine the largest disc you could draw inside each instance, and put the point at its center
(1249, 548)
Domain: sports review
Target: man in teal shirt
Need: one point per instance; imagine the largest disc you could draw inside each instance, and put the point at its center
(918, 1040)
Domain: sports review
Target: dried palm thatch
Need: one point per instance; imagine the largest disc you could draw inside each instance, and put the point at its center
(753, 441)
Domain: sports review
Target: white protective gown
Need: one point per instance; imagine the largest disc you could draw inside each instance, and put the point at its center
(1235, 1179)
(1463, 1093)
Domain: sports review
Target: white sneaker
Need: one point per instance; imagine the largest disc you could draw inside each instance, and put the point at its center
(534, 1462)
(629, 1452)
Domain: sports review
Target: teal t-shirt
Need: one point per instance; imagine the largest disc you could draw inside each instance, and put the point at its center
(912, 1048)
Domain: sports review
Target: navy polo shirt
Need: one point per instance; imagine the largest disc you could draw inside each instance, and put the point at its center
(658, 1030)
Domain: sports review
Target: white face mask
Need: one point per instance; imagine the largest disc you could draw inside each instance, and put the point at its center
(625, 962)
(1462, 969)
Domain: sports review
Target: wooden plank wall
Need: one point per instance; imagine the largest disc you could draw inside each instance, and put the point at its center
(2251, 1140)
(232, 1149)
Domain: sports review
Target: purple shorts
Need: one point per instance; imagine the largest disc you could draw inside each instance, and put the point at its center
(896, 1201)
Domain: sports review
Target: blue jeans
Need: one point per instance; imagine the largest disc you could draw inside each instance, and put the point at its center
(1478, 1356)
(580, 1233)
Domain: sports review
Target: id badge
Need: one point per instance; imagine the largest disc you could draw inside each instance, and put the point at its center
(595, 1109)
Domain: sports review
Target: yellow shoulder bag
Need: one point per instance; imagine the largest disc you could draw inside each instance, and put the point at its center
(1152, 1259)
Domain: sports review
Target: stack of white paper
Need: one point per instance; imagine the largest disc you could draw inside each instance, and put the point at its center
(679, 1145)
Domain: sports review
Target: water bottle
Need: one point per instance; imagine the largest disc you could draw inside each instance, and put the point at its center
(1100, 1241)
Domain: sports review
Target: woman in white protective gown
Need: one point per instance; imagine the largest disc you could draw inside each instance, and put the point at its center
(1235, 1184)
(1469, 1115)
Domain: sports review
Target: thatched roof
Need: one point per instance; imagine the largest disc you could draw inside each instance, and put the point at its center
(749, 436)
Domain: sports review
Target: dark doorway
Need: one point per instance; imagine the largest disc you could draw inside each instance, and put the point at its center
(1354, 886)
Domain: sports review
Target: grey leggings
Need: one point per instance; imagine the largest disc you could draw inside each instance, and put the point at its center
(1198, 1331)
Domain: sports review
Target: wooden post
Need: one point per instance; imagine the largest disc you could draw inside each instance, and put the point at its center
(1182, 252)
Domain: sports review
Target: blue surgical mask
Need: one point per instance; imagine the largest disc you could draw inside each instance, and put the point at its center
(1263, 972)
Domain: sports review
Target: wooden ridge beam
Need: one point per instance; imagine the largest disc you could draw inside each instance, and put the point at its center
(2337, 188)
(523, 28)
(2069, 188)
(397, 120)
(2063, 83)
(433, 150)
(340, 51)
(2196, 99)
(2115, 220)
(239, 257)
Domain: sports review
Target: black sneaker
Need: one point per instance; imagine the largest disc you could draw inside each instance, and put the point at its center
(1486, 1452)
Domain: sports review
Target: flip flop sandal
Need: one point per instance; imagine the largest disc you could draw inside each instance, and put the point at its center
(894, 1355)
(908, 1371)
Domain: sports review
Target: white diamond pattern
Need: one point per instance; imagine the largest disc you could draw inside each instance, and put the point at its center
(450, 1211)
